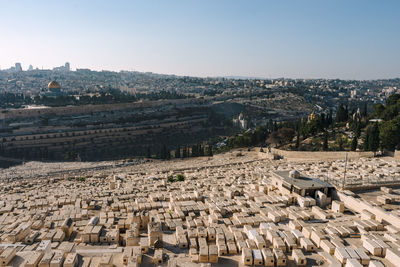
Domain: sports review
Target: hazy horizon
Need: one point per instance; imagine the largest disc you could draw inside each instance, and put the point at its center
(354, 40)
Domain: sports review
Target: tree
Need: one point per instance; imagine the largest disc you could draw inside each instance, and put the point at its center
(274, 138)
(209, 151)
(390, 134)
(185, 152)
(374, 137)
(200, 150)
(366, 141)
(378, 110)
(180, 178)
(275, 126)
(178, 152)
(194, 151)
(325, 145)
(164, 152)
(148, 152)
(365, 110)
(354, 143)
(322, 122)
(330, 118)
(393, 99)
(286, 134)
(298, 140)
(340, 141)
(341, 115)
(357, 131)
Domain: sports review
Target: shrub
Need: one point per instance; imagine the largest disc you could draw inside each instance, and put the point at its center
(81, 179)
(180, 177)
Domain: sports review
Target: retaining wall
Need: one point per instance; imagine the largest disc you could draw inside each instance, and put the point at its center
(320, 155)
(397, 154)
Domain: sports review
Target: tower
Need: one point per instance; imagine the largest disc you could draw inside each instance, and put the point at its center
(18, 67)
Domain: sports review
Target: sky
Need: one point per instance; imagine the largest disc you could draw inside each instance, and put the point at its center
(345, 39)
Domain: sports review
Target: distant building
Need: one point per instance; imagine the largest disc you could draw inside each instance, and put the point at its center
(66, 67)
(18, 67)
(357, 115)
(312, 116)
(53, 90)
(240, 122)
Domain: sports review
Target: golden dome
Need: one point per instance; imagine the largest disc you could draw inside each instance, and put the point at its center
(53, 85)
(312, 116)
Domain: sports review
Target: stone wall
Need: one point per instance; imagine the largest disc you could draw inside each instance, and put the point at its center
(397, 154)
(320, 155)
(73, 110)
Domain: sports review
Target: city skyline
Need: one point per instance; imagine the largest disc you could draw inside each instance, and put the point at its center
(267, 39)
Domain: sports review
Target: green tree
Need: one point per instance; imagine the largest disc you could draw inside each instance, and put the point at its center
(340, 141)
(209, 151)
(148, 152)
(378, 110)
(374, 137)
(180, 178)
(298, 140)
(164, 152)
(178, 152)
(365, 110)
(286, 134)
(390, 134)
(341, 115)
(194, 151)
(330, 118)
(274, 138)
(366, 141)
(200, 149)
(325, 145)
(354, 143)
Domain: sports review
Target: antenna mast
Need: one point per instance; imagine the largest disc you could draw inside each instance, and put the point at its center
(344, 175)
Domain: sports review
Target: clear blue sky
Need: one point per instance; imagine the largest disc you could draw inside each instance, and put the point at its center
(348, 39)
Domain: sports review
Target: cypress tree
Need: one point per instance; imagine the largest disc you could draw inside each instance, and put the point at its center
(366, 141)
(148, 153)
(298, 140)
(325, 145)
(354, 143)
(210, 151)
(178, 152)
(164, 152)
(374, 138)
(358, 129)
(202, 152)
(365, 110)
(341, 114)
(194, 151)
(330, 118)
